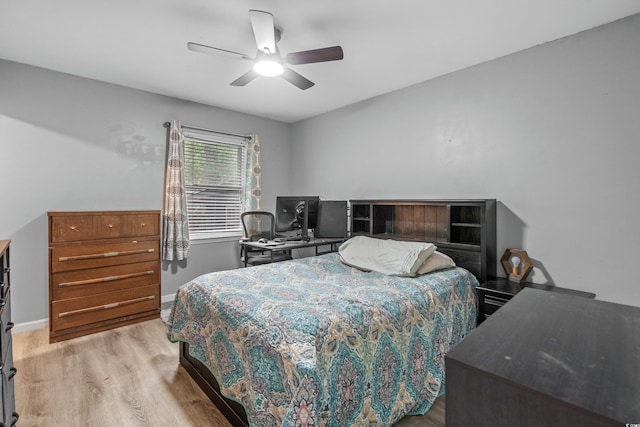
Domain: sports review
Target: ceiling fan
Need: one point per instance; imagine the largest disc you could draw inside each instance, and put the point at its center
(267, 61)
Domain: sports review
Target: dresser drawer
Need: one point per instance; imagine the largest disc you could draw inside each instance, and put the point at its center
(142, 225)
(4, 276)
(490, 302)
(102, 255)
(5, 323)
(492, 305)
(80, 283)
(5, 270)
(110, 305)
(125, 225)
(108, 226)
(71, 228)
(8, 373)
(497, 300)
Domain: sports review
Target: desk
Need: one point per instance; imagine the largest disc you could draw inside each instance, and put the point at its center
(547, 359)
(273, 246)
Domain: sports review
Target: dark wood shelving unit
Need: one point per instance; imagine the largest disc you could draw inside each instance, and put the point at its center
(463, 229)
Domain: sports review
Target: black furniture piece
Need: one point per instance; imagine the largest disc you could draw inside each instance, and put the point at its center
(495, 293)
(332, 219)
(272, 248)
(8, 415)
(547, 359)
(259, 225)
(464, 229)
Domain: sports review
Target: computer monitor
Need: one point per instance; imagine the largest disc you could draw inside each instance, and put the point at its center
(296, 213)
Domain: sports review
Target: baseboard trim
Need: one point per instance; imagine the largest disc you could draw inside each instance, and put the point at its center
(44, 323)
(168, 298)
(30, 326)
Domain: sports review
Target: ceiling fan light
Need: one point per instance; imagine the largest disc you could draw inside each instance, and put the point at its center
(268, 68)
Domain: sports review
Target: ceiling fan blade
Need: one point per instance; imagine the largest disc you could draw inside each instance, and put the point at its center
(245, 78)
(263, 30)
(296, 79)
(197, 47)
(333, 53)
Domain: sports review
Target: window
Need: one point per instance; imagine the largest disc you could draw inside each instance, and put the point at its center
(214, 172)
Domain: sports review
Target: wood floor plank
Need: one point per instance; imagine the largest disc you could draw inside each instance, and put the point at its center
(129, 376)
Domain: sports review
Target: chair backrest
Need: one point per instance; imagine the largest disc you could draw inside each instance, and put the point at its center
(258, 225)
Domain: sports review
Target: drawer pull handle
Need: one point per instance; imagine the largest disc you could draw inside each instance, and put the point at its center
(13, 372)
(9, 327)
(7, 269)
(106, 306)
(104, 279)
(104, 255)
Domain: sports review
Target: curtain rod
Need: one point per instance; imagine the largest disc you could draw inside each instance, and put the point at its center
(168, 124)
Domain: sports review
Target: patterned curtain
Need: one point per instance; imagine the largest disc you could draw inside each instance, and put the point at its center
(253, 192)
(175, 222)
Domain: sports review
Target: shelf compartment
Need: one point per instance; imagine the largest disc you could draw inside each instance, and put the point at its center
(465, 229)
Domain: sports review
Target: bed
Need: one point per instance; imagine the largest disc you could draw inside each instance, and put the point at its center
(314, 341)
(317, 342)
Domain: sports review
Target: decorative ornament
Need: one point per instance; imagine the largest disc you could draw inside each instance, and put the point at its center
(516, 264)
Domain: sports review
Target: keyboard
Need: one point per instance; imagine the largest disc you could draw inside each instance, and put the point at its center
(287, 239)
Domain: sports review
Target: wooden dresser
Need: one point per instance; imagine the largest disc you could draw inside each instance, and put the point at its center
(8, 415)
(104, 270)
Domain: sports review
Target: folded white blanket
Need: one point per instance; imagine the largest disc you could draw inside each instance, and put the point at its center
(392, 257)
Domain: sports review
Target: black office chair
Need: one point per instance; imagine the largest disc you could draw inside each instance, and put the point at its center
(260, 225)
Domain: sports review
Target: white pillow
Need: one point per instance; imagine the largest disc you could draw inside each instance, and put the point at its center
(390, 257)
(437, 261)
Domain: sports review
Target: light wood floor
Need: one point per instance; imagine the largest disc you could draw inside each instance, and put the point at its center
(128, 376)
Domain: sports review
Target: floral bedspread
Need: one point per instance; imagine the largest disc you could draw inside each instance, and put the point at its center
(313, 342)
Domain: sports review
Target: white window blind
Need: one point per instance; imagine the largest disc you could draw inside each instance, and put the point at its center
(215, 181)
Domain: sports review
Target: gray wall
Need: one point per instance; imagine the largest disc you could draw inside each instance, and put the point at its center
(68, 143)
(552, 132)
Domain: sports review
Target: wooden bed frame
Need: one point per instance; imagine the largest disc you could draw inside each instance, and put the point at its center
(479, 257)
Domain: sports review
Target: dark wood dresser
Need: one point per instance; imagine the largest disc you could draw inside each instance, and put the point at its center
(547, 359)
(8, 415)
(104, 270)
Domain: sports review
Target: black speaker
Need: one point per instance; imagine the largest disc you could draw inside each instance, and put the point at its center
(332, 219)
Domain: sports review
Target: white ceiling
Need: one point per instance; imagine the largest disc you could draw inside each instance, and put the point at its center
(387, 45)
